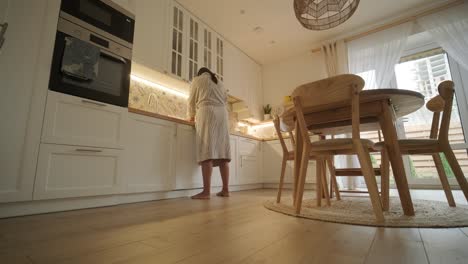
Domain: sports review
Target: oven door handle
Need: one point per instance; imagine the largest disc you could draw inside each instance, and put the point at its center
(114, 56)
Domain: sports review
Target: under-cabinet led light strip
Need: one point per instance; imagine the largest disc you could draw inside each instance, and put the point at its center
(262, 125)
(159, 86)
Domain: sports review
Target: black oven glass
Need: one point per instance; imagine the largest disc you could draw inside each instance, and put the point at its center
(101, 16)
(110, 86)
(96, 11)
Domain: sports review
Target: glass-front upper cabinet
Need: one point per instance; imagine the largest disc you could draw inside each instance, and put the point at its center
(207, 49)
(220, 58)
(177, 43)
(193, 47)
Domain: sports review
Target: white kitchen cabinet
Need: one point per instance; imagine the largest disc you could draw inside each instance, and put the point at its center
(151, 43)
(207, 47)
(234, 72)
(187, 171)
(178, 40)
(24, 65)
(71, 171)
(216, 178)
(148, 159)
(272, 159)
(72, 120)
(194, 47)
(249, 161)
(243, 79)
(220, 57)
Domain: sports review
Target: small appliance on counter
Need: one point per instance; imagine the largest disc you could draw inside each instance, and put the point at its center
(93, 51)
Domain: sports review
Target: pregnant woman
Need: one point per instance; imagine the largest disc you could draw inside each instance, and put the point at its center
(207, 107)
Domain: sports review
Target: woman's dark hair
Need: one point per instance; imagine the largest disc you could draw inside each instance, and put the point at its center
(213, 76)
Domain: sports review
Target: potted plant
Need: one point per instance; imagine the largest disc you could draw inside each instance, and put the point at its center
(267, 112)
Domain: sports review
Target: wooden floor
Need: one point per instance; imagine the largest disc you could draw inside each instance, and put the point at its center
(223, 230)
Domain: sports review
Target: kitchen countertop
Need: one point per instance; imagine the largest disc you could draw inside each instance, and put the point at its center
(183, 121)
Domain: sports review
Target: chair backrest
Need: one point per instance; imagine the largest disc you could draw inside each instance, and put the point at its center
(333, 90)
(280, 129)
(340, 90)
(441, 103)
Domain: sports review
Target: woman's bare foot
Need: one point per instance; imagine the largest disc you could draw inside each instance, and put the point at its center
(201, 196)
(223, 193)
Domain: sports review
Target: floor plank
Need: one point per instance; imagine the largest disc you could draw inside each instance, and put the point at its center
(223, 230)
(112, 255)
(397, 245)
(465, 230)
(445, 245)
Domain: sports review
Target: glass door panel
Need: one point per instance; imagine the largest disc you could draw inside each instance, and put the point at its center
(422, 73)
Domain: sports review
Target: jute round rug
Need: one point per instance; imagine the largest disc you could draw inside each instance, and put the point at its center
(358, 211)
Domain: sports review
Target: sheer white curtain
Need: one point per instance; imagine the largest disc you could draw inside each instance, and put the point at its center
(374, 57)
(449, 28)
(335, 55)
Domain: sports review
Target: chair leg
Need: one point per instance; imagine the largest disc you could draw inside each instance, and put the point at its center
(443, 179)
(333, 181)
(369, 176)
(302, 177)
(283, 170)
(452, 160)
(325, 182)
(318, 183)
(385, 180)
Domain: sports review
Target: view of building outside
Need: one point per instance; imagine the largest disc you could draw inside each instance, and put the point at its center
(423, 75)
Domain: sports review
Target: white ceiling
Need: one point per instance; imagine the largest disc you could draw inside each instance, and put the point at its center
(279, 23)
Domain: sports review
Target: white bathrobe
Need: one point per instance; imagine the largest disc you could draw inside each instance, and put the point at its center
(207, 102)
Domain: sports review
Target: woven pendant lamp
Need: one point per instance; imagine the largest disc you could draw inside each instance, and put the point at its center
(324, 14)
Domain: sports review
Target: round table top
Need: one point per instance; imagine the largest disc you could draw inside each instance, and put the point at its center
(404, 102)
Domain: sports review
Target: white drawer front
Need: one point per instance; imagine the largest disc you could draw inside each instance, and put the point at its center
(72, 120)
(67, 171)
(248, 147)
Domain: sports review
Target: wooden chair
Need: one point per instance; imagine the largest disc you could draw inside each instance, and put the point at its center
(438, 141)
(383, 171)
(337, 91)
(289, 155)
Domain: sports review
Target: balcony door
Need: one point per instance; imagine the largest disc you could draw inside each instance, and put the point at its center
(422, 67)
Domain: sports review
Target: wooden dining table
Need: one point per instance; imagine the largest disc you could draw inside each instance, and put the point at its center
(379, 110)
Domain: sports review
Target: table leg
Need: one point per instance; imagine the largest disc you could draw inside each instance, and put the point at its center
(297, 161)
(387, 123)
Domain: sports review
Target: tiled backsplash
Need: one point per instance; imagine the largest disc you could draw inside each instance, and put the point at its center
(150, 99)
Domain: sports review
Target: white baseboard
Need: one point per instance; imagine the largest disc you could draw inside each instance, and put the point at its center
(58, 205)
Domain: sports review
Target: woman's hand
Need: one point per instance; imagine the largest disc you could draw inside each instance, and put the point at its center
(192, 119)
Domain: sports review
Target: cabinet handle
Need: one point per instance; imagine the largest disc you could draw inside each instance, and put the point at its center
(93, 103)
(89, 150)
(2, 33)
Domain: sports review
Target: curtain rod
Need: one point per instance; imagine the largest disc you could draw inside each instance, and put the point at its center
(399, 22)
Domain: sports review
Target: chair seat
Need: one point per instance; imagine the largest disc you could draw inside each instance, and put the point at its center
(409, 146)
(338, 144)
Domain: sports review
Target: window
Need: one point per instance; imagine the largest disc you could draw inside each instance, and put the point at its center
(423, 72)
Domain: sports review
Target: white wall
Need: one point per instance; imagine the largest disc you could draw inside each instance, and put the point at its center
(280, 78)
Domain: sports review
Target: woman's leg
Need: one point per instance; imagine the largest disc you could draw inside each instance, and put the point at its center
(224, 170)
(207, 169)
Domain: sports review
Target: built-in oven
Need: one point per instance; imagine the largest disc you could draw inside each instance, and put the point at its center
(93, 51)
(103, 17)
